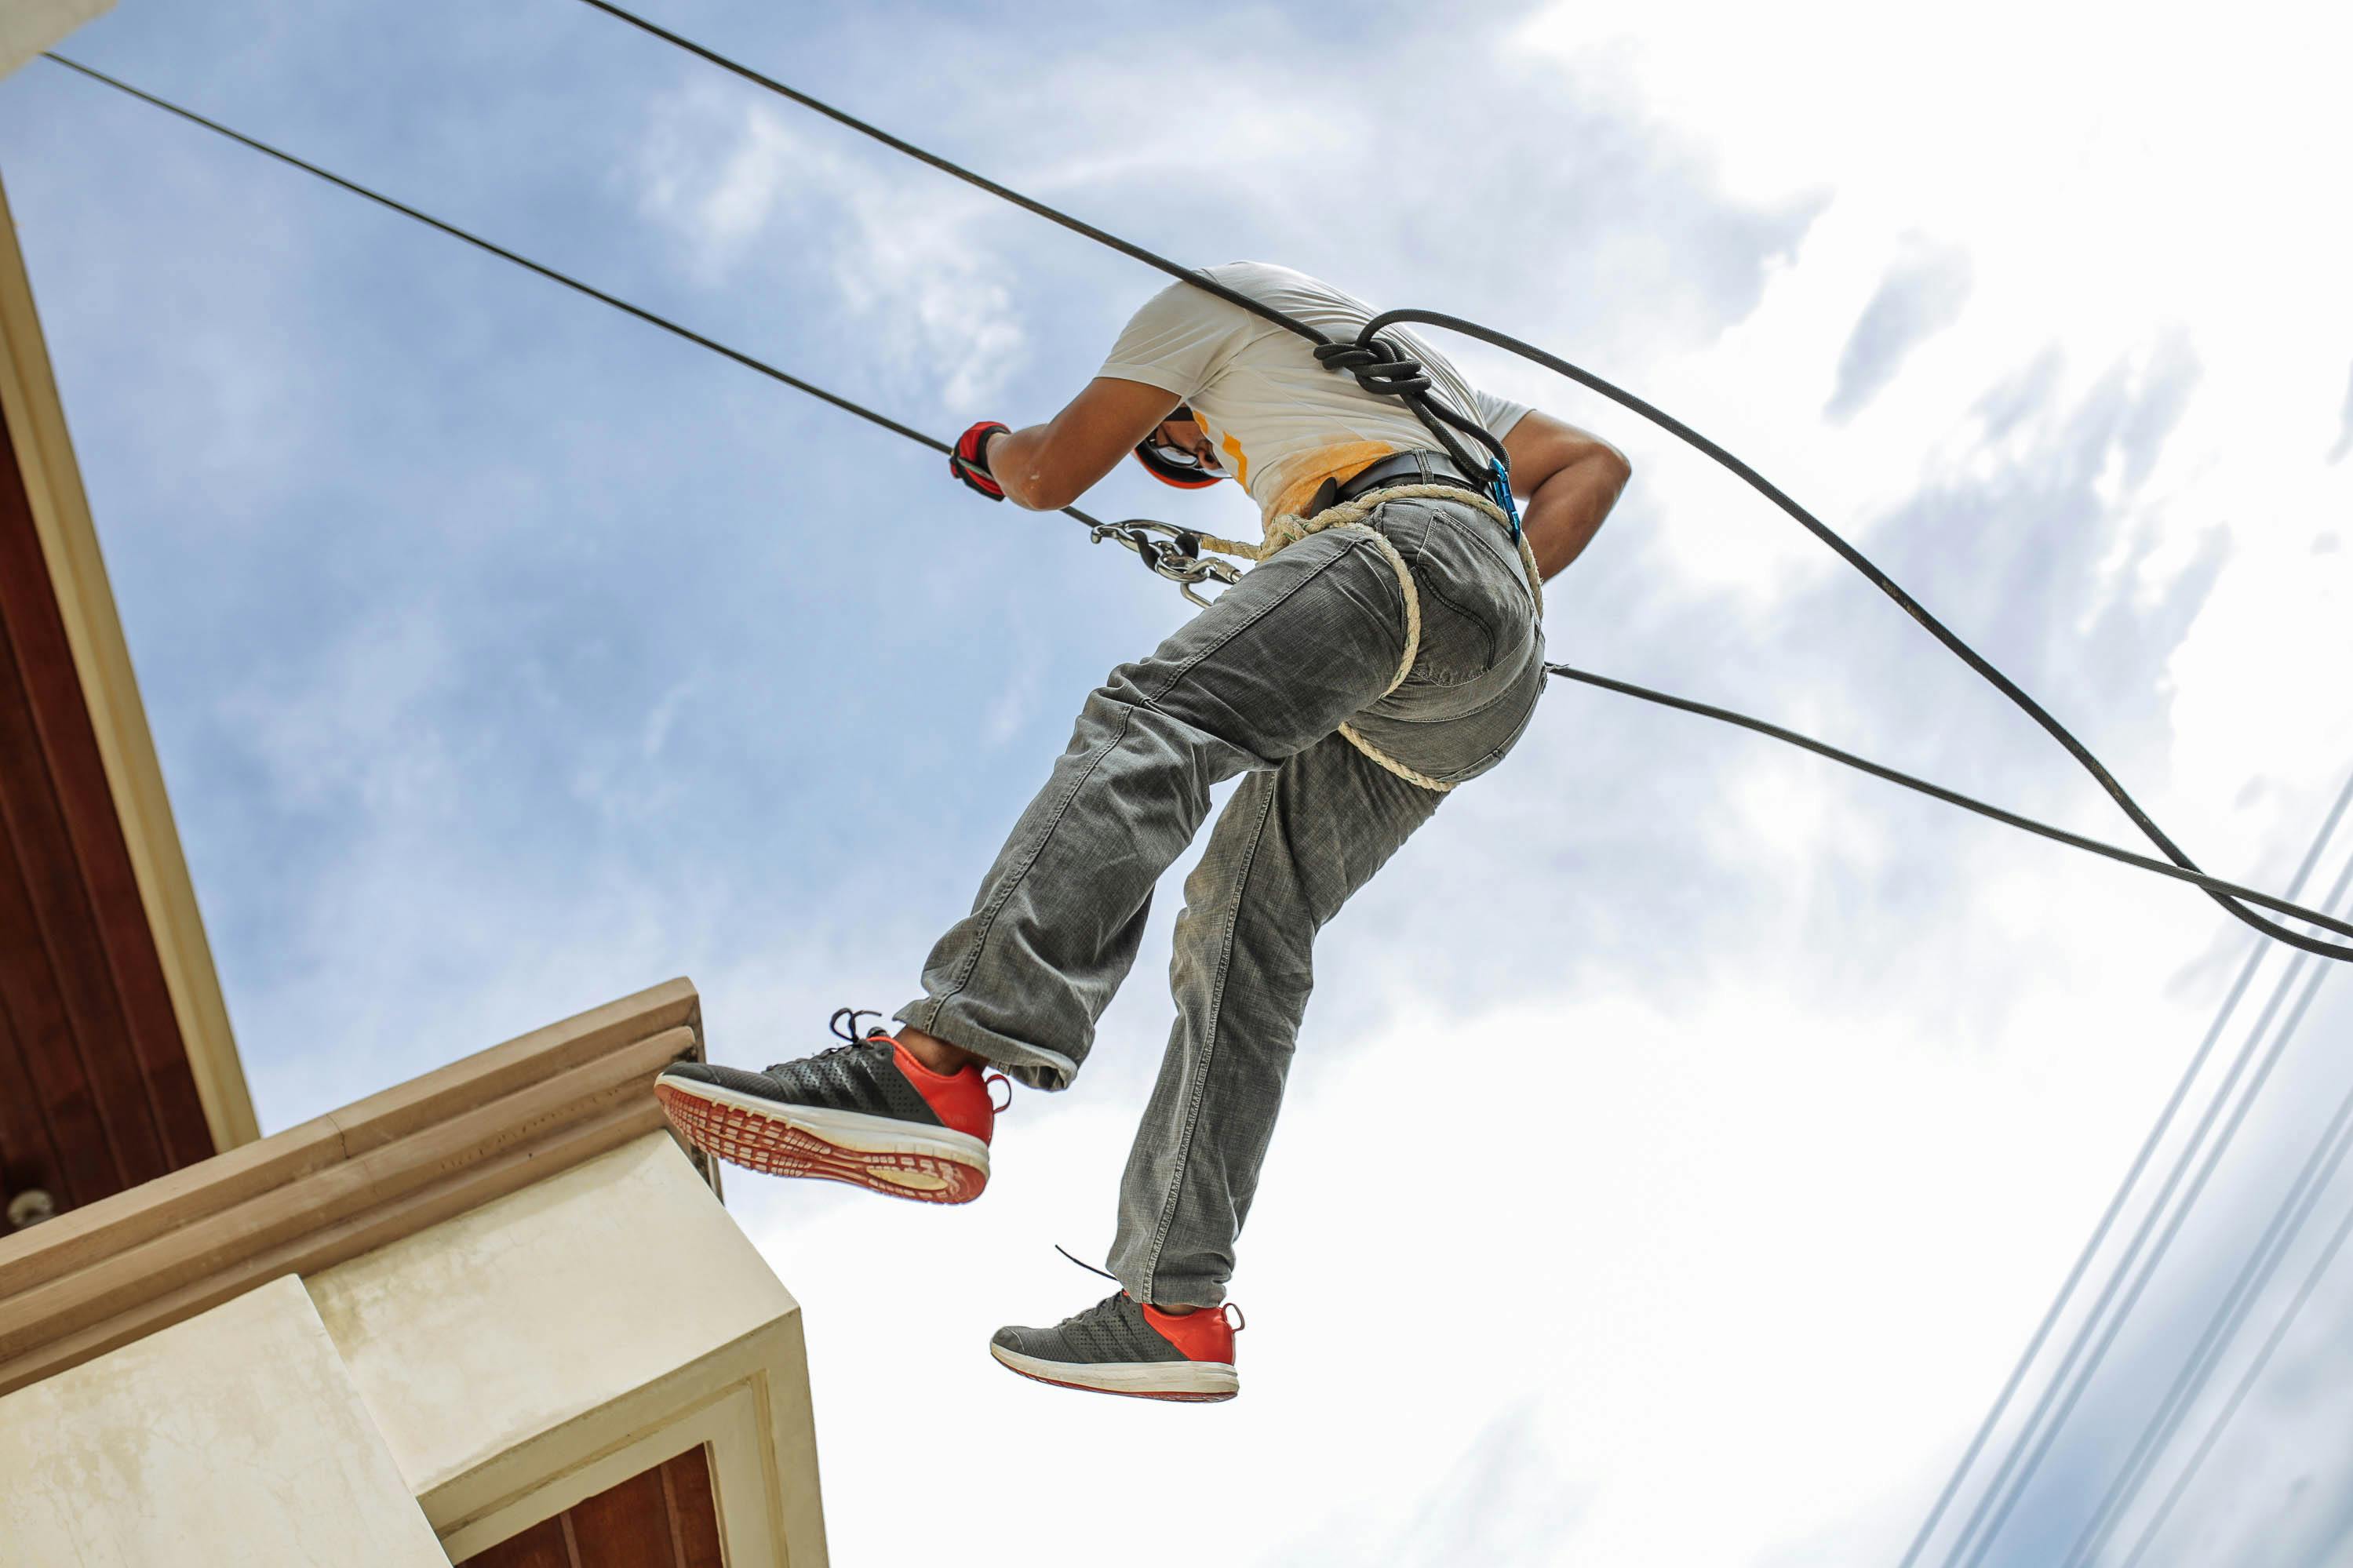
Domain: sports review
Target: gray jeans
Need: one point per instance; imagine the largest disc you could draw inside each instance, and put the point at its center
(1256, 685)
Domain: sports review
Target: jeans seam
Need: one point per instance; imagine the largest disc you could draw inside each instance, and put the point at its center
(1505, 745)
(1005, 895)
(1216, 1014)
(1452, 719)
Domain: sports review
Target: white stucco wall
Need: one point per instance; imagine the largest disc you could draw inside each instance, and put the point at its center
(545, 1346)
(29, 26)
(485, 1331)
(421, 1402)
(232, 1440)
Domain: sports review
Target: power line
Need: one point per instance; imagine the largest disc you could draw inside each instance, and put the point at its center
(2173, 1104)
(2065, 1407)
(2230, 1315)
(2238, 1395)
(1368, 337)
(2213, 885)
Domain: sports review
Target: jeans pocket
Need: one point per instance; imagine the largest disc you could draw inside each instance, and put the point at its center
(1476, 613)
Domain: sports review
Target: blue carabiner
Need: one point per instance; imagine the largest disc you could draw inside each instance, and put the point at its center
(1499, 489)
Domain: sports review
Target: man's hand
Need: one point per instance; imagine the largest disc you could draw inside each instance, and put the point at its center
(970, 462)
(1051, 465)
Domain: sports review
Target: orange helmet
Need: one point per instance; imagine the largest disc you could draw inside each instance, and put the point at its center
(1173, 465)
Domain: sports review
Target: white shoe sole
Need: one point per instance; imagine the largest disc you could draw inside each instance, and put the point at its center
(880, 1154)
(1198, 1381)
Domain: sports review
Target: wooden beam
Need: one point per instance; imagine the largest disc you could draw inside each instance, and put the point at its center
(346, 1183)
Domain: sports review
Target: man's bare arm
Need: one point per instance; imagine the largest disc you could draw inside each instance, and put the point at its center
(1571, 477)
(1051, 465)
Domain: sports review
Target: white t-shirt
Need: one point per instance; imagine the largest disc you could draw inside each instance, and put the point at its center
(1282, 422)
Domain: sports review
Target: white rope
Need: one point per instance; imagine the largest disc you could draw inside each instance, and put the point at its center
(1291, 528)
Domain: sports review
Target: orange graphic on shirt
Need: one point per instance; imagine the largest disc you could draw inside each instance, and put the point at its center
(1233, 449)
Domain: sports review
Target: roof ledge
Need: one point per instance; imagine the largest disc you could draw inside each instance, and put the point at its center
(340, 1185)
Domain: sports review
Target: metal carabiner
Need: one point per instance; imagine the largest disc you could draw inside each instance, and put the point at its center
(1177, 558)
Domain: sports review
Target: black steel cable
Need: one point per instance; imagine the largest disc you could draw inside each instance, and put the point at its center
(1822, 531)
(553, 275)
(1885, 585)
(1433, 415)
(2173, 1104)
(1950, 796)
(1003, 193)
(2032, 1461)
(2238, 1395)
(2213, 886)
(2230, 1315)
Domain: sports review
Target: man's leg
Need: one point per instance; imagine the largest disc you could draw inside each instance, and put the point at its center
(1304, 642)
(1288, 850)
(1290, 847)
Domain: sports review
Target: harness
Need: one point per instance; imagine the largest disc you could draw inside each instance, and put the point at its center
(1405, 476)
(1382, 369)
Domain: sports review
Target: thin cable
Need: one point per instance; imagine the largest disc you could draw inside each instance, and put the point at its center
(1822, 531)
(2238, 1395)
(2082, 1339)
(2214, 887)
(1954, 797)
(1962, 1466)
(2164, 1241)
(1432, 414)
(1003, 193)
(2230, 1315)
(552, 274)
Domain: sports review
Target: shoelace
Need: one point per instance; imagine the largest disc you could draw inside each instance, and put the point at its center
(852, 1040)
(1230, 1312)
(849, 1035)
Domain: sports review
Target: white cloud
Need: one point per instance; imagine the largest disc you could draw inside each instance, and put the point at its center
(357, 724)
(907, 252)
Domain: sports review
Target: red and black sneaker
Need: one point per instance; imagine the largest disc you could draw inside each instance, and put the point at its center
(865, 1112)
(1120, 1346)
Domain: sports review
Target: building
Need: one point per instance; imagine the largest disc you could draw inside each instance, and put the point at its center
(495, 1315)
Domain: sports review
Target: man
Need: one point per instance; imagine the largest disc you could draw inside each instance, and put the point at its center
(1260, 685)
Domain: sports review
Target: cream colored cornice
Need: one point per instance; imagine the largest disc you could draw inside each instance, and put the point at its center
(331, 1189)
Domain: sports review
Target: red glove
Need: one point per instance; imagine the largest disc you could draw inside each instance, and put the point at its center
(970, 463)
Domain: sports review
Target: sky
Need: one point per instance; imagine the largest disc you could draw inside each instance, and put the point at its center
(1686, 1133)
